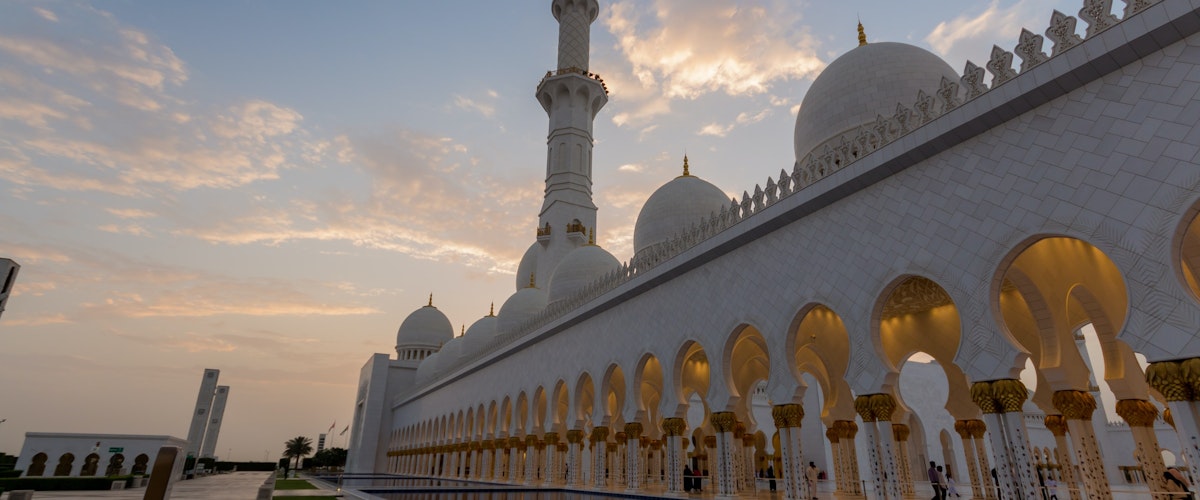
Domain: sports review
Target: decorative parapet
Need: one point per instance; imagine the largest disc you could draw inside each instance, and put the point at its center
(572, 71)
(833, 156)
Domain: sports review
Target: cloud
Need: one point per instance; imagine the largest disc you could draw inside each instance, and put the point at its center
(971, 35)
(129, 213)
(631, 167)
(677, 49)
(46, 14)
(743, 118)
(88, 69)
(487, 110)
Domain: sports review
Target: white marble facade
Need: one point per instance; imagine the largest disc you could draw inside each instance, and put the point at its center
(983, 222)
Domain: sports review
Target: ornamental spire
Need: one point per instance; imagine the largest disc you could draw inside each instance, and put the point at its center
(492, 310)
(862, 35)
(430, 300)
(685, 166)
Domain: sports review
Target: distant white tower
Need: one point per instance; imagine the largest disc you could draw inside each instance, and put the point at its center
(571, 96)
(200, 415)
(8, 269)
(214, 422)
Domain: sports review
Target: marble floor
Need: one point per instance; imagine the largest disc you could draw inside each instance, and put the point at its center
(233, 486)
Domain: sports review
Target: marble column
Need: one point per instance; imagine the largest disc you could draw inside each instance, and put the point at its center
(531, 459)
(635, 467)
(723, 423)
(1001, 402)
(1077, 407)
(787, 421)
(498, 465)
(673, 429)
(599, 442)
(972, 459)
(839, 469)
(900, 431)
(1179, 383)
(618, 459)
(1057, 425)
(551, 473)
(748, 465)
(516, 463)
(847, 430)
(574, 457)
(656, 462)
(560, 467)
(876, 411)
(735, 452)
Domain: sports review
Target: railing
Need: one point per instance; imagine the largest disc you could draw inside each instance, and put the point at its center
(573, 71)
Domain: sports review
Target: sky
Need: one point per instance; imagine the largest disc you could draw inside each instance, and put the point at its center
(268, 188)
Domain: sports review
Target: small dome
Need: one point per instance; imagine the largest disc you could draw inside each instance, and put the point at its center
(867, 81)
(478, 335)
(578, 269)
(450, 356)
(528, 265)
(674, 208)
(427, 370)
(520, 307)
(426, 326)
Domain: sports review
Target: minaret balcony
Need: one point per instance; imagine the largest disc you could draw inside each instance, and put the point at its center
(577, 233)
(543, 234)
(572, 71)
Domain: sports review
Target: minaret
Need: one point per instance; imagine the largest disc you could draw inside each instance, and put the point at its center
(571, 96)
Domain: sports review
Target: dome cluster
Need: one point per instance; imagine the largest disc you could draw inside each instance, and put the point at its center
(851, 92)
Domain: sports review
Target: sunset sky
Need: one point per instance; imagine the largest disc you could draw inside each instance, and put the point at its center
(268, 188)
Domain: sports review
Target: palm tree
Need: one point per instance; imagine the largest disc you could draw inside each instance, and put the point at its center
(297, 448)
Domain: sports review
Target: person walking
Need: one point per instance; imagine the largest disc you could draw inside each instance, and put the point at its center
(941, 483)
(935, 481)
(950, 489)
(771, 476)
(810, 476)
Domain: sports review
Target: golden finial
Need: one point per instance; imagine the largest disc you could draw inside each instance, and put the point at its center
(685, 166)
(492, 309)
(430, 300)
(531, 280)
(464, 330)
(592, 237)
(862, 35)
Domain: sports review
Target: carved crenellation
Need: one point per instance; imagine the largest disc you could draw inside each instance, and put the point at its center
(838, 153)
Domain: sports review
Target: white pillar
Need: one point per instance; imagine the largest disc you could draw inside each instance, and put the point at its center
(1077, 407)
(551, 458)
(574, 462)
(674, 429)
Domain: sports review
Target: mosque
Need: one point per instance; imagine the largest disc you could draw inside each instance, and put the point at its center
(995, 270)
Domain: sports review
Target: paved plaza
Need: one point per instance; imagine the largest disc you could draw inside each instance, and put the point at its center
(233, 486)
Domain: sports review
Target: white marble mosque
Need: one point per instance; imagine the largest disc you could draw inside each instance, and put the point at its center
(995, 270)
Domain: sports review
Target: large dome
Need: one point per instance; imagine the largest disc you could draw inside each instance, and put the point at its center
(520, 307)
(426, 326)
(861, 84)
(674, 208)
(578, 269)
(528, 265)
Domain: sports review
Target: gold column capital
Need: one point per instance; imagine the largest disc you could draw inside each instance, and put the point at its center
(832, 434)
(723, 421)
(862, 405)
(611, 447)
(960, 426)
(599, 434)
(1010, 394)
(1074, 405)
(655, 444)
(976, 427)
(747, 439)
(551, 438)
(489, 445)
(710, 441)
(501, 443)
(531, 440)
(1057, 424)
(900, 431)
(981, 395)
(1170, 380)
(847, 429)
(515, 441)
(575, 436)
(562, 446)
(788, 415)
(1137, 412)
(674, 426)
(621, 437)
(643, 441)
(633, 429)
